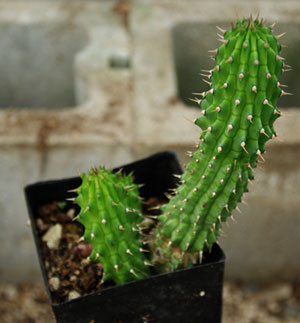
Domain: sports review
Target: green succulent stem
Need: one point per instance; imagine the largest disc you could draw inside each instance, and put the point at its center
(111, 215)
(237, 119)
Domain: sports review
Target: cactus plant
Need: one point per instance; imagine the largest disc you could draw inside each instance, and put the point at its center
(237, 119)
(110, 213)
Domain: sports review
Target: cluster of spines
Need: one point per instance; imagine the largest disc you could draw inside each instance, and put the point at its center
(237, 120)
(111, 215)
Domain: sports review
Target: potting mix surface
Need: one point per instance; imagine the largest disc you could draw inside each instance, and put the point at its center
(70, 272)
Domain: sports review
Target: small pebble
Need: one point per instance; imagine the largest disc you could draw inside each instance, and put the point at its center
(54, 283)
(73, 278)
(40, 224)
(71, 213)
(85, 261)
(83, 249)
(73, 294)
(53, 236)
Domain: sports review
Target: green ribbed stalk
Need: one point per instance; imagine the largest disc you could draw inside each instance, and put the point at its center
(237, 120)
(111, 215)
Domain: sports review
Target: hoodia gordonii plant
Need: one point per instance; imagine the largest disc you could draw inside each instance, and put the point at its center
(237, 119)
(110, 212)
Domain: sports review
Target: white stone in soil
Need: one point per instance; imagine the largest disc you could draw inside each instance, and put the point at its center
(73, 294)
(53, 236)
(54, 283)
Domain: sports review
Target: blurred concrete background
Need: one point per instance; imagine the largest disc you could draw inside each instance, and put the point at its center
(85, 83)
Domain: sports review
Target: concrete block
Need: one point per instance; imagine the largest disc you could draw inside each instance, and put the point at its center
(64, 106)
(171, 40)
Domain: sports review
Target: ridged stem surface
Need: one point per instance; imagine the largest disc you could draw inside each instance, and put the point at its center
(110, 213)
(237, 119)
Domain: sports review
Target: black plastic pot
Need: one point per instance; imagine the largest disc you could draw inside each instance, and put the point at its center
(188, 295)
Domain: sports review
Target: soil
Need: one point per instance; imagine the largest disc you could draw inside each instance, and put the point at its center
(70, 272)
